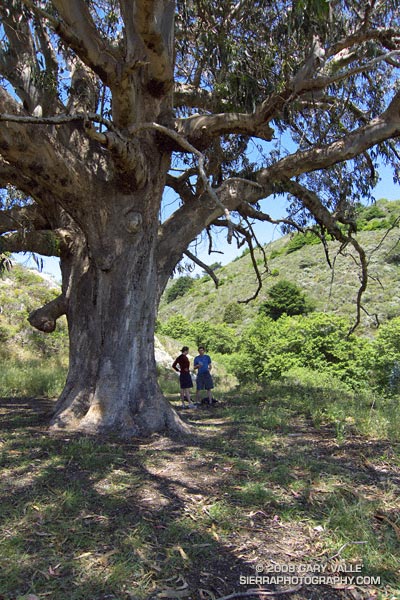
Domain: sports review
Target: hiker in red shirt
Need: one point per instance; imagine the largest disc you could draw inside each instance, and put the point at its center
(182, 366)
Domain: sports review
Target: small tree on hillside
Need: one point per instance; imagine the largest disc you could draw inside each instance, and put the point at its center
(245, 100)
(233, 312)
(179, 288)
(285, 298)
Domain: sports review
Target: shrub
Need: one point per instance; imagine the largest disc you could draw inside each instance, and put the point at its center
(275, 254)
(179, 288)
(319, 342)
(176, 327)
(385, 356)
(297, 242)
(216, 338)
(373, 212)
(285, 298)
(301, 239)
(233, 312)
(375, 224)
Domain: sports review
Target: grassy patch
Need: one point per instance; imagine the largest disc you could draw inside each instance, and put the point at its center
(90, 518)
(33, 377)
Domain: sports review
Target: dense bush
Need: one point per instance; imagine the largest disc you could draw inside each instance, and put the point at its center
(216, 338)
(177, 327)
(373, 212)
(301, 239)
(179, 288)
(233, 312)
(319, 342)
(285, 298)
(382, 215)
(384, 359)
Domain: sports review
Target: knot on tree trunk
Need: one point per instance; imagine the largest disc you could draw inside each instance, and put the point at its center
(45, 318)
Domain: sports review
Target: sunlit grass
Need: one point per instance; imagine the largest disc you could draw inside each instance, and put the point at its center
(33, 377)
(85, 518)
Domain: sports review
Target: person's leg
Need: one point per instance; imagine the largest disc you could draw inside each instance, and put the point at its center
(209, 394)
(186, 395)
(188, 398)
(183, 397)
(199, 387)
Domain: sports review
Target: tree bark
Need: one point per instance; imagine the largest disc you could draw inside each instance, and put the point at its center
(110, 286)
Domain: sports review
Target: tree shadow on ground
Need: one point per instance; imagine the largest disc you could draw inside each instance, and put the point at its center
(90, 518)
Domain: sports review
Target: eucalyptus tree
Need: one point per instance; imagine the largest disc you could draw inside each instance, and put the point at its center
(106, 103)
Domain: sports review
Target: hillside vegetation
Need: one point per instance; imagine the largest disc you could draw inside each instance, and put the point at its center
(301, 260)
(33, 363)
(340, 376)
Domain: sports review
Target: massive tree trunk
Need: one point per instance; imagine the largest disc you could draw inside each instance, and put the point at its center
(111, 283)
(112, 381)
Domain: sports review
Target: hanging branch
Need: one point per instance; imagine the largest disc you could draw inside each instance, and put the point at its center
(204, 266)
(249, 237)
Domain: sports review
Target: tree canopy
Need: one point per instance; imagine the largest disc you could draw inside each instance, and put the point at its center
(104, 104)
(295, 97)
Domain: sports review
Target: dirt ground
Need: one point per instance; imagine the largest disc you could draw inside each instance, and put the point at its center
(187, 476)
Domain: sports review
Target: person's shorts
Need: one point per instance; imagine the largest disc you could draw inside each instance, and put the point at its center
(204, 381)
(185, 380)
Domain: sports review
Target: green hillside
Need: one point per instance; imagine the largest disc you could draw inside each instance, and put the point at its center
(32, 362)
(330, 290)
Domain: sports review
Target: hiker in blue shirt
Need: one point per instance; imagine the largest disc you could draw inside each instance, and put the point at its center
(204, 381)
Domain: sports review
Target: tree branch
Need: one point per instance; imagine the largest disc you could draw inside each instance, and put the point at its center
(21, 217)
(204, 266)
(44, 242)
(201, 129)
(181, 185)
(191, 96)
(185, 145)
(326, 220)
(320, 83)
(249, 236)
(176, 233)
(18, 60)
(77, 29)
(84, 89)
(376, 131)
(45, 318)
(58, 119)
(246, 210)
(133, 44)
(154, 24)
(313, 204)
(385, 36)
